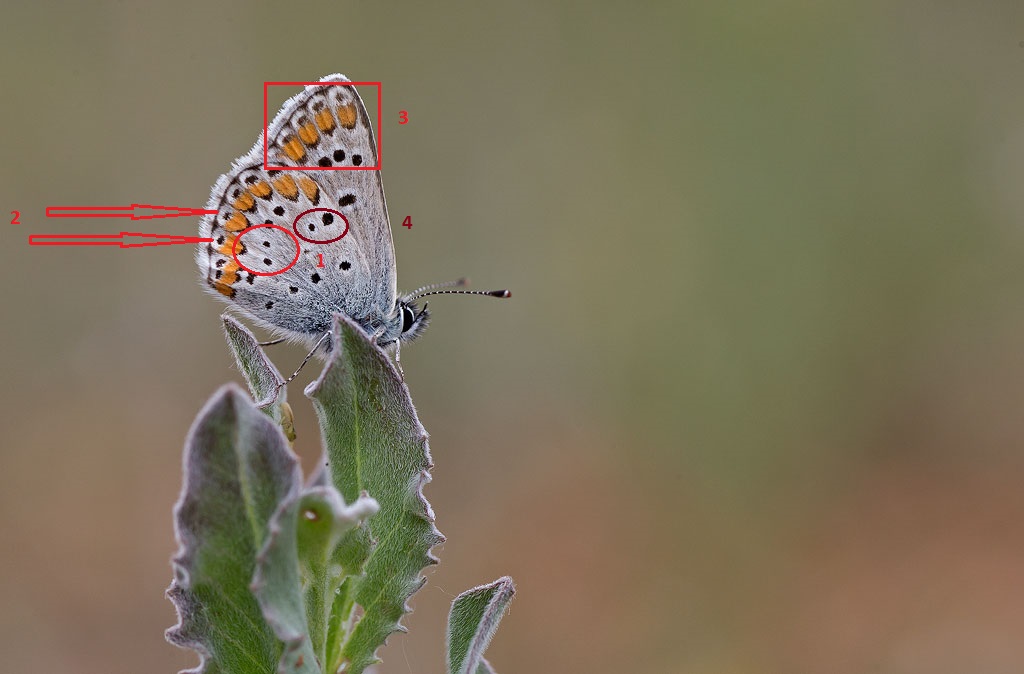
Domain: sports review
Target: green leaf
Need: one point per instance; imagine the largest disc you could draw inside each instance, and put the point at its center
(294, 577)
(320, 531)
(238, 468)
(263, 378)
(374, 443)
(472, 622)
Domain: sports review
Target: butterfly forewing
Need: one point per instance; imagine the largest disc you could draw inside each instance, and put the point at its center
(292, 247)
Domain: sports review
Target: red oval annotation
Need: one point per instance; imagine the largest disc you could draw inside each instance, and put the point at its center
(328, 223)
(234, 250)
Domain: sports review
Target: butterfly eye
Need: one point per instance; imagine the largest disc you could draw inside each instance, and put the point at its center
(408, 318)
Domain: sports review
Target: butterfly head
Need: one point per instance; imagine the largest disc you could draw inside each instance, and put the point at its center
(414, 319)
(410, 320)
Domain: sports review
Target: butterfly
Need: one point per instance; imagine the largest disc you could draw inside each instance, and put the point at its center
(293, 247)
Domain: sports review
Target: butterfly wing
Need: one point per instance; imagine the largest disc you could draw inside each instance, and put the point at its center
(330, 226)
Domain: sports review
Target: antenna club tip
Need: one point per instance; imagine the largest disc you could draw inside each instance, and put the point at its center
(500, 293)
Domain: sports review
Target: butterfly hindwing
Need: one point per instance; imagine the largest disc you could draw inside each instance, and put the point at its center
(325, 125)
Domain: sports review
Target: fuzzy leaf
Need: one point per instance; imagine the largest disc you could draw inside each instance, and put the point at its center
(317, 542)
(238, 468)
(374, 443)
(263, 378)
(472, 622)
(294, 577)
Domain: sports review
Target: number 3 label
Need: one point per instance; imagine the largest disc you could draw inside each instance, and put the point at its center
(403, 117)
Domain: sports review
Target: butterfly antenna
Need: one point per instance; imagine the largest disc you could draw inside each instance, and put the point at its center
(458, 283)
(492, 293)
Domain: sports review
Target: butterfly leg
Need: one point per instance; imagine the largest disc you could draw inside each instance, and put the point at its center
(398, 358)
(271, 342)
(305, 360)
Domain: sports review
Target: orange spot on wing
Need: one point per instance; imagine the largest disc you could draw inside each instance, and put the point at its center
(236, 223)
(261, 189)
(230, 274)
(308, 134)
(293, 148)
(309, 188)
(225, 249)
(325, 120)
(347, 115)
(286, 186)
(223, 288)
(244, 202)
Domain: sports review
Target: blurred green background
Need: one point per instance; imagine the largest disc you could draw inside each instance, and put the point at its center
(755, 405)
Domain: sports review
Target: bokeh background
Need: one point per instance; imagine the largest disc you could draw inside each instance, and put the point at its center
(756, 402)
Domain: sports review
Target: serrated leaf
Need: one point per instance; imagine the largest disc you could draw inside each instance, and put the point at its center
(295, 581)
(238, 468)
(263, 378)
(375, 443)
(473, 619)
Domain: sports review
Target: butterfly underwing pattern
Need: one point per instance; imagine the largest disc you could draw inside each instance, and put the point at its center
(293, 247)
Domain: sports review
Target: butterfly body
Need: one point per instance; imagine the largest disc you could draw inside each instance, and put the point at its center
(293, 247)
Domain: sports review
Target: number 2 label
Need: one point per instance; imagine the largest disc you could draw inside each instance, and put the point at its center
(14, 217)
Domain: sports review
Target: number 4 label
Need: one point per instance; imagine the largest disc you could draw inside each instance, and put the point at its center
(407, 223)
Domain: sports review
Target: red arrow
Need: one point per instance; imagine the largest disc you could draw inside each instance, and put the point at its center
(134, 212)
(122, 240)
